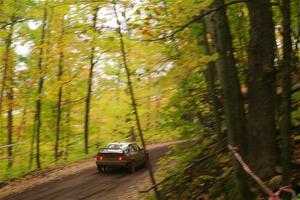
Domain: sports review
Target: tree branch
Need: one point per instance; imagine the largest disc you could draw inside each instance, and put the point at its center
(197, 18)
(186, 169)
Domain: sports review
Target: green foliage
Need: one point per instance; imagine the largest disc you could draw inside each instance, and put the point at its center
(168, 77)
(231, 189)
(193, 174)
(68, 33)
(188, 110)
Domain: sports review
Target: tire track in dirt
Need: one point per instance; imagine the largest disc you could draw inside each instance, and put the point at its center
(90, 185)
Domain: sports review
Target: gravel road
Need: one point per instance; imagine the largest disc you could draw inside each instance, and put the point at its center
(87, 184)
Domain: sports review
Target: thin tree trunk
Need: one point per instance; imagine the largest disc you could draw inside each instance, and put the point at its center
(68, 132)
(6, 63)
(210, 75)
(7, 84)
(10, 98)
(233, 104)
(133, 100)
(58, 122)
(32, 143)
(10, 123)
(285, 122)
(60, 94)
(5, 67)
(38, 120)
(261, 90)
(90, 84)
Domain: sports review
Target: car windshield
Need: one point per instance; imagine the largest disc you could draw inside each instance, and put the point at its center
(116, 146)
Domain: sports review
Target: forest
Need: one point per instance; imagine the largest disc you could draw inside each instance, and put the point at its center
(78, 74)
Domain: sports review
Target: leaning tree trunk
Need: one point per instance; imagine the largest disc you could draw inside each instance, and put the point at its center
(133, 100)
(233, 104)
(90, 85)
(261, 89)
(285, 122)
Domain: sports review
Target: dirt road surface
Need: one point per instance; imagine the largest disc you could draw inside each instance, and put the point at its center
(84, 183)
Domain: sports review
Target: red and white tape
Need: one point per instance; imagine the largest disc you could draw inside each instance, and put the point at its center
(265, 188)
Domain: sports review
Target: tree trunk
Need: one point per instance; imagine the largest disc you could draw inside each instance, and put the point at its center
(37, 119)
(6, 66)
(90, 85)
(10, 123)
(133, 101)
(10, 97)
(261, 89)
(233, 104)
(59, 95)
(10, 113)
(210, 75)
(68, 132)
(285, 122)
(7, 85)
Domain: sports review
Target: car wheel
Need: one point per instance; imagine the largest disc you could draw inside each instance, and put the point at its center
(131, 167)
(100, 169)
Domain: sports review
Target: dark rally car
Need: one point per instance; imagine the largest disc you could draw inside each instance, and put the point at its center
(122, 154)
